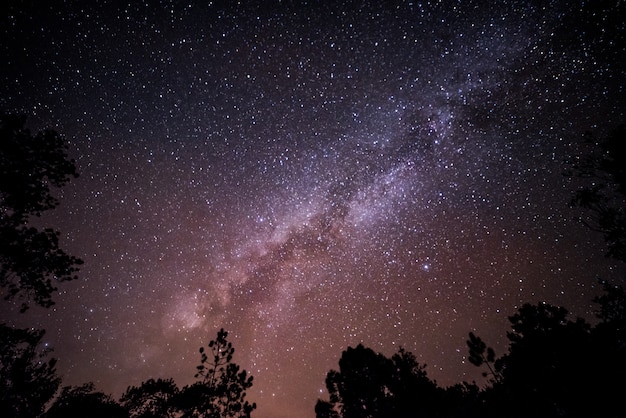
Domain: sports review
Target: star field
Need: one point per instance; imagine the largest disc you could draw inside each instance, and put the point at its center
(311, 176)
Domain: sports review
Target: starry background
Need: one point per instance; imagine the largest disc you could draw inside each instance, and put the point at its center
(311, 176)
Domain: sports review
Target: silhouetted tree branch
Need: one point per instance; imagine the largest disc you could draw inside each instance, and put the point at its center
(152, 399)
(28, 379)
(85, 401)
(221, 390)
(31, 261)
(603, 169)
(477, 357)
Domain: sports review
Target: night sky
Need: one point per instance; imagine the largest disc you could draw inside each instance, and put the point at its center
(311, 176)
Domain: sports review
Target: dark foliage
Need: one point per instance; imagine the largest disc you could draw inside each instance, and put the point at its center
(152, 399)
(480, 354)
(28, 378)
(368, 384)
(603, 170)
(609, 347)
(219, 392)
(554, 367)
(85, 401)
(612, 306)
(28, 382)
(544, 364)
(30, 165)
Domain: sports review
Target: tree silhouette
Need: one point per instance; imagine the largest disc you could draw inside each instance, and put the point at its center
(28, 380)
(612, 305)
(84, 401)
(30, 165)
(477, 357)
(368, 384)
(360, 387)
(603, 169)
(544, 364)
(152, 399)
(221, 390)
(609, 347)
(463, 400)
(555, 366)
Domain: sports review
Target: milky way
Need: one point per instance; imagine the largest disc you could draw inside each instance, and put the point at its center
(311, 177)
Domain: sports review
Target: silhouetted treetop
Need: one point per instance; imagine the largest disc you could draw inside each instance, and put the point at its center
(85, 401)
(28, 378)
(368, 384)
(219, 392)
(151, 399)
(31, 260)
(555, 366)
(480, 354)
(29, 166)
(612, 304)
